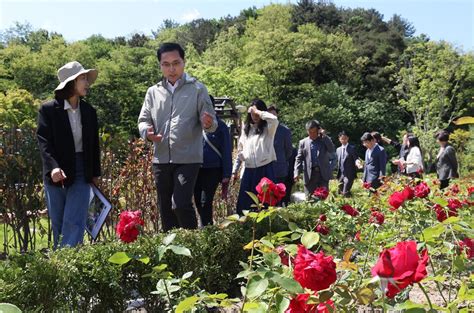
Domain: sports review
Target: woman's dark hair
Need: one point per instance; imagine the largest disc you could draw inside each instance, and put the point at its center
(414, 142)
(261, 106)
(377, 137)
(65, 93)
(168, 47)
(442, 136)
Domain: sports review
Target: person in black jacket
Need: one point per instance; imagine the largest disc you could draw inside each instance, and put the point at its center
(446, 161)
(69, 145)
(346, 161)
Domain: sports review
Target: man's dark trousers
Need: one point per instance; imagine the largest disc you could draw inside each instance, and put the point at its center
(175, 187)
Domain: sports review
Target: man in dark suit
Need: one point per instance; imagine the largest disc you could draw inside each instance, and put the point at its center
(373, 161)
(283, 149)
(446, 161)
(313, 158)
(346, 163)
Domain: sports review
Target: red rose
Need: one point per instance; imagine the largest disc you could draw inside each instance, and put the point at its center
(322, 218)
(401, 265)
(377, 217)
(408, 193)
(367, 185)
(440, 213)
(269, 192)
(322, 229)
(357, 236)
(129, 225)
(321, 193)
(284, 257)
(350, 210)
(467, 244)
(299, 305)
(454, 204)
(454, 189)
(470, 190)
(323, 307)
(396, 200)
(314, 270)
(422, 190)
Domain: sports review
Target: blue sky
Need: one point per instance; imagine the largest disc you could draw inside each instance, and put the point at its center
(451, 20)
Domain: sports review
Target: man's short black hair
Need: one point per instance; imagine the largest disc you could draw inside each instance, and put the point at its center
(342, 133)
(168, 47)
(366, 137)
(313, 124)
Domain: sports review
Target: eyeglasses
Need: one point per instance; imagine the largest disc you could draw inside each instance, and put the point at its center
(174, 64)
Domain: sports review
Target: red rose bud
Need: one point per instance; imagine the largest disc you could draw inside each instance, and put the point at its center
(322, 218)
(402, 265)
(325, 307)
(454, 189)
(467, 245)
(470, 190)
(322, 229)
(396, 200)
(367, 185)
(357, 236)
(321, 193)
(350, 210)
(377, 217)
(314, 270)
(422, 190)
(454, 204)
(299, 305)
(284, 257)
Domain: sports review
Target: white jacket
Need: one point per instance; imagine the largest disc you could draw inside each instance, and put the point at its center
(257, 149)
(414, 161)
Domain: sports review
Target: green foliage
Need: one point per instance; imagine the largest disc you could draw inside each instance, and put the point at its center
(18, 109)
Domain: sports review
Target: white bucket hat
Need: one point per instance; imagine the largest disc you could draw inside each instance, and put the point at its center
(71, 70)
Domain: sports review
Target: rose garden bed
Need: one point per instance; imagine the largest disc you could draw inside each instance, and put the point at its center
(409, 239)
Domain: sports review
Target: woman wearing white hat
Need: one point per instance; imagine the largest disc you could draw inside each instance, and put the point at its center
(69, 145)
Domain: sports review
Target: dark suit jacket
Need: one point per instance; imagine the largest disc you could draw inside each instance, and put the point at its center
(56, 143)
(447, 164)
(283, 149)
(346, 165)
(373, 164)
(303, 158)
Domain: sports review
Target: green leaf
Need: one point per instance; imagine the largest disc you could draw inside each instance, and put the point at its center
(365, 296)
(9, 308)
(281, 303)
(451, 220)
(254, 197)
(282, 234)
(187, 275)
(169, 239)
(256, 287)
(160, 267)
(292, 226)
(295, 236)
(287, 283)
(255, 307)
(309, 239)
(464, 120)
(144, 260)
(120, 258)
(187, 304)
(433, 232)
(440, 201)
(180, 250)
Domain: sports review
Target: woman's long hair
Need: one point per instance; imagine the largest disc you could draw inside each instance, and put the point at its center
(260, 105)
(414, 142)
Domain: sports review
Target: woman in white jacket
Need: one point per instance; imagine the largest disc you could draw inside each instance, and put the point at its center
(414, 160)
(256, 150)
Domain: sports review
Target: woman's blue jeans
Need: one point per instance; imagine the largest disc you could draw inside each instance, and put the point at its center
(68, 207)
